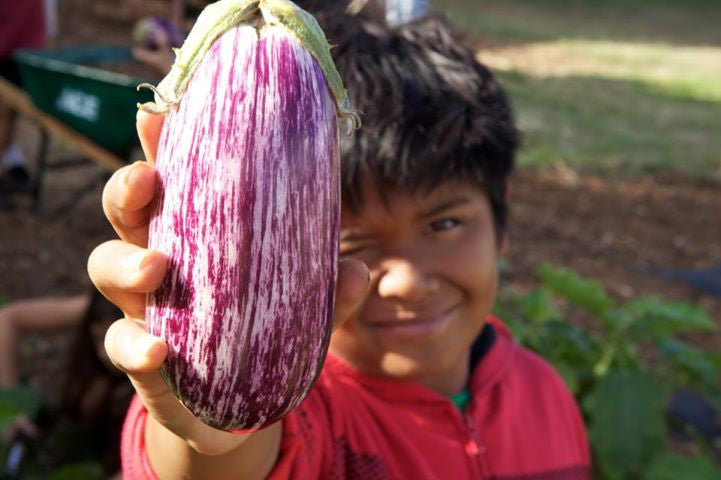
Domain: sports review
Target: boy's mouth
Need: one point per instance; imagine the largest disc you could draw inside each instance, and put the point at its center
(413, 326)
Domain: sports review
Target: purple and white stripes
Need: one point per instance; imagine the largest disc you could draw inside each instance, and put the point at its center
(248, 213)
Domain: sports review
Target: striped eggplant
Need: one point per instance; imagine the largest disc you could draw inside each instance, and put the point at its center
(247, 211)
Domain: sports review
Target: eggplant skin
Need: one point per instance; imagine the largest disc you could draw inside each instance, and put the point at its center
(248, 211)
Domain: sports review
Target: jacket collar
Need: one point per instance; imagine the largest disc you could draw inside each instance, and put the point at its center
(488, 371)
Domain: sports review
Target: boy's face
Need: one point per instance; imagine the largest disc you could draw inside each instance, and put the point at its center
(432, 258)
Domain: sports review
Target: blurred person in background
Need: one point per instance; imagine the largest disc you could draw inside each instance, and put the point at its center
(51, 20)
(138, 9)
(22, 25)
(181, 14)
(178, 12)
(95, 395)
(168, 31)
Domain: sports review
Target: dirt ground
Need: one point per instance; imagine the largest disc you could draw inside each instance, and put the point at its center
(610, 230)
(616, 230)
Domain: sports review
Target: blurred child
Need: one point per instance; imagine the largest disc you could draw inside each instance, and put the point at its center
(420, 382)
(177, 10)
(22, 25)
(95, 394)
(180, 16)
(51, 20)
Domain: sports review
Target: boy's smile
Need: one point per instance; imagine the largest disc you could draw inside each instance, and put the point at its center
(432, 258)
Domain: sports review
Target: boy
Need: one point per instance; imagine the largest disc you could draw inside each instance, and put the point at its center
(420, 382)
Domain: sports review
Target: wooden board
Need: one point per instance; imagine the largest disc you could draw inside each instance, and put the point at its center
(19, 101)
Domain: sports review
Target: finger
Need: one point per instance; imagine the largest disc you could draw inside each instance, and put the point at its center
(140, 355)
(134, 351)
(125, 273)
(353, 281)
(127, 200)
(149, 127)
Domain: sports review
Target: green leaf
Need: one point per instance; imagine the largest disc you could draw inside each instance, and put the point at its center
(670, 466)
(587, 294)
(509, 307)
(626, 422)
(695, 363)
(26, 398)
(505, 309)
(571, 344)
(569, 374)
(538, 307)
(80, 470)
(17, 401)
(661, 318)
(8, 414)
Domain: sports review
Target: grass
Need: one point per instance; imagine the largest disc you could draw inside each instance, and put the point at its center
(621, 87)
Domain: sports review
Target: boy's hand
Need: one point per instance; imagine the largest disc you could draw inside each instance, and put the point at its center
(125, 271)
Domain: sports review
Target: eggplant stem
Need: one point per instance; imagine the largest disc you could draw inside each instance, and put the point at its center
(219, 17)
(155, 91)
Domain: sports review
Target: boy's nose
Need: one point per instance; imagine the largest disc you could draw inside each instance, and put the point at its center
(405, 281)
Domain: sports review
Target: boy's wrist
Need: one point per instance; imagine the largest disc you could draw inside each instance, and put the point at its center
(250, 456)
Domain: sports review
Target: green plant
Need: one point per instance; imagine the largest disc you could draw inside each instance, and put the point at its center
(16, 402)
(84, 470)
(63, 453)
(621, 360)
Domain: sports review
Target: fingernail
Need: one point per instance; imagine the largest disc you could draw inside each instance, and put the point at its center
(136, 262)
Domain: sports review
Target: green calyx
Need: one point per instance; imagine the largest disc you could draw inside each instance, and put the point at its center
(219, 17)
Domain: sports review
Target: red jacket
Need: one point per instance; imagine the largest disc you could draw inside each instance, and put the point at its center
(521, 423)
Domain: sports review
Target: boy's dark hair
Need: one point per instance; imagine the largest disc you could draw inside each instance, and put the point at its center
(431, 112)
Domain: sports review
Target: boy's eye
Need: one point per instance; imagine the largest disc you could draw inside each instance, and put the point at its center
(443, 225)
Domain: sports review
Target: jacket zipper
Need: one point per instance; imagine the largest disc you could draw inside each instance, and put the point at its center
(474, 443)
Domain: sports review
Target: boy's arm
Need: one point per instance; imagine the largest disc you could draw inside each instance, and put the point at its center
(178, 444)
